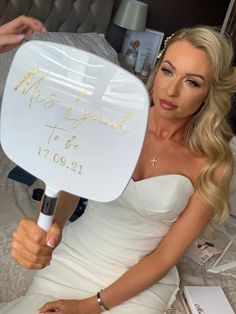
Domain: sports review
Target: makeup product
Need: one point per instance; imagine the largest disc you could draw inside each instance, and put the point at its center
(142, 54)
(222, 267)
(205, 299)
(223, 253)
(131, 57)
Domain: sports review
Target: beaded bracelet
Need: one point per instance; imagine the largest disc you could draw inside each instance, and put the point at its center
(100, 302)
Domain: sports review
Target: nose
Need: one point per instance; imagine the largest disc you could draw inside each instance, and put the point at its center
(173, 87)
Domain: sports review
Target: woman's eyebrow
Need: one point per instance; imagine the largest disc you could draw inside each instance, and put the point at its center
(197, 75)
(188, 74)
(170, 64)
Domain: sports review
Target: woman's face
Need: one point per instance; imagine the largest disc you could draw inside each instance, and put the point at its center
(182, 81)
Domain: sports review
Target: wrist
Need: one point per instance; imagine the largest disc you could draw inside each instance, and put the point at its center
(93, 305)
(100, 302)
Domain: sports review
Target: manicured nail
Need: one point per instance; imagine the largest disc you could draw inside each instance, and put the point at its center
(51, 242)
(20, 37)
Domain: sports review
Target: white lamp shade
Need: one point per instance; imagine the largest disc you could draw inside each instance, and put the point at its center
(132, 15)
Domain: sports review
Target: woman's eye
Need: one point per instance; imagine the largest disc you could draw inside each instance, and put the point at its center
(167, 71)
(192, 83)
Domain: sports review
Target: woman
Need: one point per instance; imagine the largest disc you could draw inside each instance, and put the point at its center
(128, 248)
(14, 32)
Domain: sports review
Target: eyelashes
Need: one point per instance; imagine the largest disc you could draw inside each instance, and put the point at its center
(168, 72)
(193, 83)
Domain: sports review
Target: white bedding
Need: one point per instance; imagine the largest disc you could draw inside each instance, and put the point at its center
(15, 203)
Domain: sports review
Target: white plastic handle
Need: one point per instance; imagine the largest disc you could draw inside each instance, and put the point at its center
(44, 221)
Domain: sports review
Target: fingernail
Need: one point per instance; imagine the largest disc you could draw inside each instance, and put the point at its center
(51, 242)
(20, 37)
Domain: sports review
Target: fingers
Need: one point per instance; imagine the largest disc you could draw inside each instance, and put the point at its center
(32, 23)
(33, 26)
(25, 22)
(13, 32)
(30, 254)
(29, 247)
(56, 306)
(53, 237)
(29, 26)
(8, 42)
(23, 25)
(88, 305)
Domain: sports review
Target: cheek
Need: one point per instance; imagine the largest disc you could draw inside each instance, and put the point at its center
(193, 102)
(157, 85)
(189, 99)
(199, 95)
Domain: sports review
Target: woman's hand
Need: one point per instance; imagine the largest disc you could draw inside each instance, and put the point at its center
(8, 42)
(13, 32)
(86, 306)
(22, 25)
(31, 246)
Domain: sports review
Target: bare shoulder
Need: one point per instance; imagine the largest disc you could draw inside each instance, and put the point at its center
(189, 163)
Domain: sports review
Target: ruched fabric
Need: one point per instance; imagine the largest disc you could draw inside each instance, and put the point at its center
(106, 241)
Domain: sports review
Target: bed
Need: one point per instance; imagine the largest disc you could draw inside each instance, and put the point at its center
(83, 24)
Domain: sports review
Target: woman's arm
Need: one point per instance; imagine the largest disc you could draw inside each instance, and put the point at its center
(150, 269)
(154, 266)
(31, 246)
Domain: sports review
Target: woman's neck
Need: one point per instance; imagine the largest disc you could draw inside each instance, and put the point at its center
(166, 129)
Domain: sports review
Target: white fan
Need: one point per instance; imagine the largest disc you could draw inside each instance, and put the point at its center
(74, 120)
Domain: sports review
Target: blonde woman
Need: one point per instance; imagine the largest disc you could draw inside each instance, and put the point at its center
(120, 257)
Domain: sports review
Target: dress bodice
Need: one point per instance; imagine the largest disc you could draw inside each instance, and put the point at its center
(131, 226)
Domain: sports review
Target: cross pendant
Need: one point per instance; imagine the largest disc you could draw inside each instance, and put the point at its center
(153, 161)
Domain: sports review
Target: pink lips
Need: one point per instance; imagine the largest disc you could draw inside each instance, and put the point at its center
(168, 105)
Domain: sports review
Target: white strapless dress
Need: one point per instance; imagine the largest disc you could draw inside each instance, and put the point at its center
(107, 240)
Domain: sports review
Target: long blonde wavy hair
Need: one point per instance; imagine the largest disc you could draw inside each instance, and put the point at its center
(208, 133)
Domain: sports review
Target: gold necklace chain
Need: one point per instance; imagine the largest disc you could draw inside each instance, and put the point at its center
(155, 159)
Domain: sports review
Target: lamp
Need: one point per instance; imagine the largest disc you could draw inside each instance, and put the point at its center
(132, 15)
